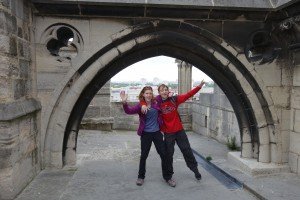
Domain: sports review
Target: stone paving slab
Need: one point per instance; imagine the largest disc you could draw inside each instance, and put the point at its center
(110, 179)
(276, 186)
(107, 169)
(49, 184)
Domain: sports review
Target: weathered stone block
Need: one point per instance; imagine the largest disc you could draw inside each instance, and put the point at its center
(285, 157)
(285, 140)
(255, 151)
(296, 76)
(264, 137)
(221, 58)
(92, 111)
(298, 170)
(281, 96)
(293, 161)
(247, 151)
(19, 88)
(25, 127)
(72, 140)
(264, 153)
(6, 153)
(105, 111)
(13, 46)
(295, 98)
(294, 142)
(26, 31)
(276, 153)
(11, 23)
(126, 46)
(285, 119)
(109, 56)
(24, 49)
(4, 43)
(270, 74)
(246, 135)
(48, 81)
(8, 66)
(5, 92)
(297, 121)
(101, 100)
(121, 33)
(6, 184)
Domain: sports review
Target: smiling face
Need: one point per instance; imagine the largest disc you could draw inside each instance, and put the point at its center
(148, 95)
(163, 91)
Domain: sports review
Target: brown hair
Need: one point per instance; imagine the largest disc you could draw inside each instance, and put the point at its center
(141, 98)
(162, 86)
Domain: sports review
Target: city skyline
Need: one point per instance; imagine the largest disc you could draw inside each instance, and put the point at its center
(161, 68)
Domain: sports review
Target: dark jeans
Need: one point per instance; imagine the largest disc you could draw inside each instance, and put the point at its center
(184, 145)
(146, 142)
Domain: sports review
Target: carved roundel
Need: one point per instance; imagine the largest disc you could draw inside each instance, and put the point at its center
(63, 40)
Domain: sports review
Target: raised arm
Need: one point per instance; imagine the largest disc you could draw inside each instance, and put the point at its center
(129, 109)
(183, 97)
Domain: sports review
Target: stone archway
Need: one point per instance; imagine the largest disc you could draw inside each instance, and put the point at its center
(170, 38)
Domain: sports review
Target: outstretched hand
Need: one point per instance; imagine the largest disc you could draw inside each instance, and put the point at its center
(123, 96)
(202, 83)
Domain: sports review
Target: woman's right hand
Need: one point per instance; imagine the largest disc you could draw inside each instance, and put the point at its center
(123, 96)
(144, 109)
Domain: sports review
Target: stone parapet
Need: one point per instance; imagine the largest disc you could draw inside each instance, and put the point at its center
(99, 123)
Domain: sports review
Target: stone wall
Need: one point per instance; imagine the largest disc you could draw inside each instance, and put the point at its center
(19, 124)
(98, 114)
(214, 117)
(294, 140)
(121, 119)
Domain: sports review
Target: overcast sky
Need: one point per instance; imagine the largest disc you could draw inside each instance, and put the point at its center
(161, 67)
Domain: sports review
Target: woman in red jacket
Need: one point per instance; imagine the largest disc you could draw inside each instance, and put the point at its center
(172, 126)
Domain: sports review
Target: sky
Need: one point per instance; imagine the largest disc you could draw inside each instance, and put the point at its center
(161, 67)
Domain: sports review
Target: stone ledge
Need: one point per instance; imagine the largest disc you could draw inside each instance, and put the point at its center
(99, 123)
(98, 120)
(13, 110)
(254, 168)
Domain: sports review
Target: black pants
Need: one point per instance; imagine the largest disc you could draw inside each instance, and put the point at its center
(184, 145)
(146, 142)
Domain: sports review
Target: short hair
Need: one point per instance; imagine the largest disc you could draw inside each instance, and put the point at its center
(162, 86)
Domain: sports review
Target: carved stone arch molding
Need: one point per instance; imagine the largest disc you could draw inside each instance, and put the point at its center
(62, 40)
(177, 39)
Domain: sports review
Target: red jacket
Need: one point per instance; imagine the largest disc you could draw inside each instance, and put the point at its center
(170, 115)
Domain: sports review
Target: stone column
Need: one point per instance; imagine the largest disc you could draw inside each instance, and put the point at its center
(184, 76)
(19, 127)
(185, 85)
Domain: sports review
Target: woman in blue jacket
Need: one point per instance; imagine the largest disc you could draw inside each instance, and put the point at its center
(149, 130)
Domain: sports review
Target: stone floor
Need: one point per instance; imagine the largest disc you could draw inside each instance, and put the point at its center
(107, 165)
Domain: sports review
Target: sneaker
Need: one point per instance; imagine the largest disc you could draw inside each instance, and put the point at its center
(198, 176)
(139, 182)
(171, 182)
